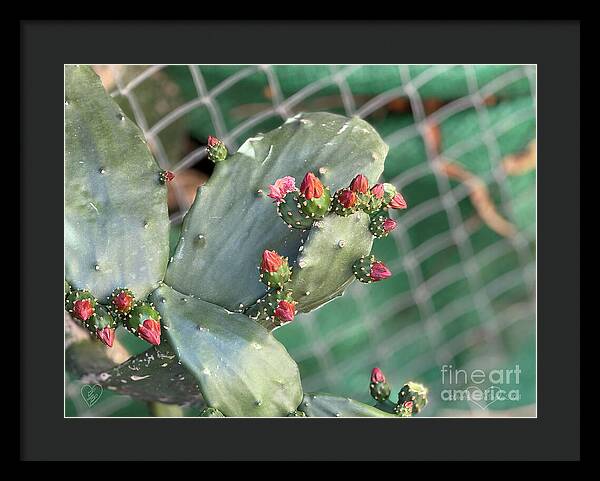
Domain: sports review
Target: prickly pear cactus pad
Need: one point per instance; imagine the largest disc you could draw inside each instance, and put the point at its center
(155, 375)
(116, 220)
(241, 369)
(232, 220)
(327, 405)
(324, 267)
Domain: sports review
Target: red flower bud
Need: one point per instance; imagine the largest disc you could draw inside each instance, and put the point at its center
(285, 311)
(271, 261)
(212, 141)
(408, 405)
(379, 271)
(169, 176)
(311, 187)
(377, 375)
(83, 309)
(378, 191)
(389, 224)
(123, 301)
(106, 335)
(347, 198)
(397, 202)
(360, 184)
(150, 331)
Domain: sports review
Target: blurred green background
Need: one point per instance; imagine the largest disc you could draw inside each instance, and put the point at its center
(462, 151)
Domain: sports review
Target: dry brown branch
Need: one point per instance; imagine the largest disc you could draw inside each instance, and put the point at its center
(522, 162)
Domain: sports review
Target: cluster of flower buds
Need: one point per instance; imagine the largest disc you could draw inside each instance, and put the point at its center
(84, 307)
(140, 318)
(279, 306)
(300, 207)
(412, 398)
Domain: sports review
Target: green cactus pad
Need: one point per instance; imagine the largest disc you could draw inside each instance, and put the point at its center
(411, 391)
(241, 369)
(237, 221)
(376, 224)
(155, 375)
(116, 220)
(316, 208)
(211, 413)
(289, 210)
(324, 267)
(328, 405)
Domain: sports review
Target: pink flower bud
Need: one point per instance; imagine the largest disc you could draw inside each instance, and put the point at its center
(311, 187)
(285, 311)
(281, 188)
(378, 191)
(271, 261)
(149, 331)
(212, 141)
(379, 271)
(389, 225)
(377, 375)
(83, 309)
(360, 184)
(347, 198)
(123, 301)
(106, 335)
(397, 202)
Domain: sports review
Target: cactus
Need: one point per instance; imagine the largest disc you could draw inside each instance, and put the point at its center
(241, 369)
(206, 313)
(116, 221)
(328, 405)
(335, 147)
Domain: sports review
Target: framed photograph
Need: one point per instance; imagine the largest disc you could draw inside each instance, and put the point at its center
(304, 245)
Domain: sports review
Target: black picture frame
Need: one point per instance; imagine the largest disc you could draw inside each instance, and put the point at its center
(47, 45)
